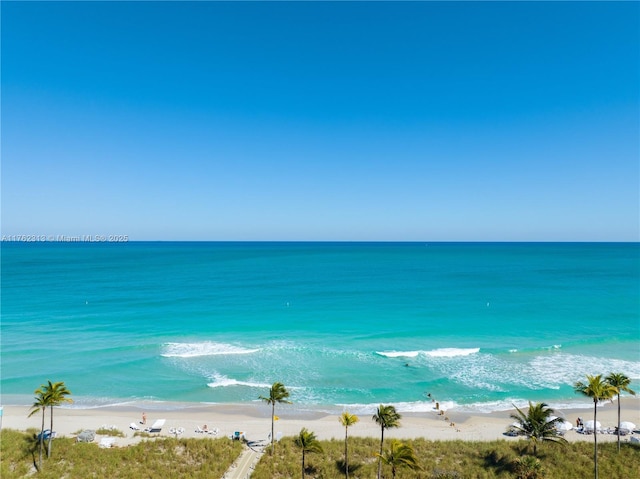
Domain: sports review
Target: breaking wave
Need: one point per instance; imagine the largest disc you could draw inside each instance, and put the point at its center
(434, 353)
(207, 348)
(223, 381)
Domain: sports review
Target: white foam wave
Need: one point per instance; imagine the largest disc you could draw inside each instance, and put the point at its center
(398, 354)
(434, 353)
(207, 348)
(554, 346)
(451, 352)
(223, 381)
(566, 369)
(407, 407)
(491, 406)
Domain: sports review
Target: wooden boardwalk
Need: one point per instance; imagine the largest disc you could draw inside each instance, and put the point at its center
(243, 467)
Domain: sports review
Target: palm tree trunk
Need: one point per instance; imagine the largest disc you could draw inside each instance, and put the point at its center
(595, 439)
(51, 434)
(380, 458)
(41, 441)
(618, 431)
(346, 457)
(273, 415)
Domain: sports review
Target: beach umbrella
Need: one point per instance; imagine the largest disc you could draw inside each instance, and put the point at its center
(629, 426)
(563, 425)
(588, 426)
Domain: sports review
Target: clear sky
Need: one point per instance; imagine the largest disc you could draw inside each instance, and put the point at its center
(418, 121)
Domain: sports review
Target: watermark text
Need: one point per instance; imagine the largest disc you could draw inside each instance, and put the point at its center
(60, 238)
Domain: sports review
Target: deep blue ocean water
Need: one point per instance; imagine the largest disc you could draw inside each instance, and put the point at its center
(478, 326)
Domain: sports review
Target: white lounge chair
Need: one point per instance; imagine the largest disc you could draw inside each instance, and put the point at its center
(134, 426)
(156, 426)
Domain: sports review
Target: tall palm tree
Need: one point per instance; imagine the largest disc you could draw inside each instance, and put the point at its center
(308, 443)
(347, 420)
(621, 383)
(277, 394)
(56, 394)
(598, 390)
(386, 417)
(538, 425)
(399, 455)
(41, 402)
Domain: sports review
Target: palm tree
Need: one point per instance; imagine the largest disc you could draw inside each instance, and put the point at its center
(621, 383)
(386, 417)
(56, 394)
(399, 455)
(599, 390)
(277, 394)
(527, 467)
(537, 424)
(41, 402)
(347, 420)
(307, 441)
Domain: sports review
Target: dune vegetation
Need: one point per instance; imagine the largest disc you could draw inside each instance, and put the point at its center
(455, 460)
(165, 458)
(209, 458)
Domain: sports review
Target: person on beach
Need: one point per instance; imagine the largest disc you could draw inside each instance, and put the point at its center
(144, 418)
(205, 428)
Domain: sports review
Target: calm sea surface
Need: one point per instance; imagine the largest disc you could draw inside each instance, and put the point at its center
(479, 326)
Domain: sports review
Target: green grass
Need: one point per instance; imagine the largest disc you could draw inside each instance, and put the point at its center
(169, 458)
(460, 459)
(164, 458)
(110, 432)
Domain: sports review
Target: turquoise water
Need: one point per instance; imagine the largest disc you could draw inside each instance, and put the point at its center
(479, 326)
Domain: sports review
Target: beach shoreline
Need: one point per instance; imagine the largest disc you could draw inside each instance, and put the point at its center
(254, 420)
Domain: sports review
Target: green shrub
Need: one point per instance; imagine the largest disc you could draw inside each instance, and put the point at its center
(110, 432)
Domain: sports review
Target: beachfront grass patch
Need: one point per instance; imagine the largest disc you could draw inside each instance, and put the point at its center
(453, 459)
(162, 458)
(209, 458)
(110, 432)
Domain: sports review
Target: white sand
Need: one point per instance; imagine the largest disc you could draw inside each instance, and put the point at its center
(255, 421)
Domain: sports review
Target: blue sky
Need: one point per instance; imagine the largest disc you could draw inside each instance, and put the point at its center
(418, 121)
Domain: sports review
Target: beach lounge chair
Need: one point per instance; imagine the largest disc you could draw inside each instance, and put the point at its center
(156, 426)
(134, 426)
(46, 434)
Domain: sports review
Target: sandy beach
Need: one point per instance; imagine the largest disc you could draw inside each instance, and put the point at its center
(254, 421)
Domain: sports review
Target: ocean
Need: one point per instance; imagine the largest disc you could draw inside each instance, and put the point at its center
(476, 326)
